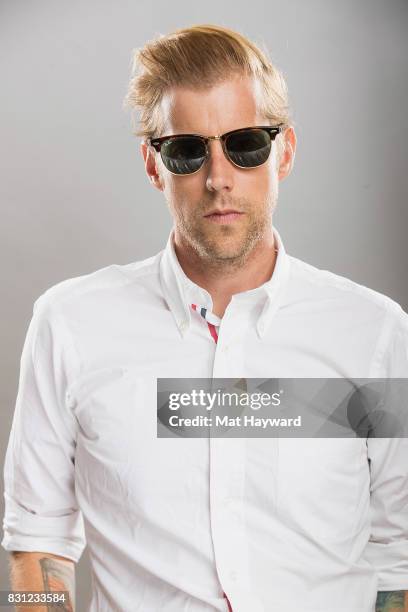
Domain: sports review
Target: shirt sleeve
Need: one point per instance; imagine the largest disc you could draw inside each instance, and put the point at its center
(388, 459)
(41, 510)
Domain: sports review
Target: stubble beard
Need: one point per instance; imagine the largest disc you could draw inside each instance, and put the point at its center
(225, 247)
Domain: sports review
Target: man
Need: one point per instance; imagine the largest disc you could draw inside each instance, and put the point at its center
(244, 524)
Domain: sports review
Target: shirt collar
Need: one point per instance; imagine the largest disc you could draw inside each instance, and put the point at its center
(180, 291)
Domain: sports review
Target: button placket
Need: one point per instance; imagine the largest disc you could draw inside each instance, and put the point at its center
(227, 478)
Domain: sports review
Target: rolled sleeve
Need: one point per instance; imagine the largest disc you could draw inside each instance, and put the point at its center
(388, 545)
(388, 459)
(41, 510)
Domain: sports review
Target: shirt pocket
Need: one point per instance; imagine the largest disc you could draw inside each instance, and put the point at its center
(111, 413)
(323, 487)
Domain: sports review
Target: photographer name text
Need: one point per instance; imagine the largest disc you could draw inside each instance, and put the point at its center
(238, 421)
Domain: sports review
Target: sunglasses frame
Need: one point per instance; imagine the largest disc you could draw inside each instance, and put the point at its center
(272, 130)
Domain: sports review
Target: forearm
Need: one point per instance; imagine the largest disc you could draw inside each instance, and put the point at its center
(392, 601)
(37, 571)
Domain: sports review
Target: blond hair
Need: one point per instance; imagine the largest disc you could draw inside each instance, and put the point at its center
(200, 57)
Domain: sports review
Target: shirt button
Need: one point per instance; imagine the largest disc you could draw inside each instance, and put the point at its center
(183, 325)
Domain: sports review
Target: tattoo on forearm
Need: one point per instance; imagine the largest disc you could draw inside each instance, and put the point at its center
(58, 575)
(392, 601)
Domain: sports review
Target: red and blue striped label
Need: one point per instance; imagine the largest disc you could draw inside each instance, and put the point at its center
(211, 326)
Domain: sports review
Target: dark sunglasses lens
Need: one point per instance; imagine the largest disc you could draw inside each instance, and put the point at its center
(183, 155)
(249, 148)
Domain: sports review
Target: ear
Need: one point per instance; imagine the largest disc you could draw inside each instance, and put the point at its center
(288, 155)
(149, 158)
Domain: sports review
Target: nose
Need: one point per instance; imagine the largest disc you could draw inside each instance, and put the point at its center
(220, 171)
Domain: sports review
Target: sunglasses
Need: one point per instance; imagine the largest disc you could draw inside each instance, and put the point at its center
(245, 148)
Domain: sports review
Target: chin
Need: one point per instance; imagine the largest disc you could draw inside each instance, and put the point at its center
(223, 252)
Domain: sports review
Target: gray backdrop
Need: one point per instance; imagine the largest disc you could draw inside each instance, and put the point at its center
(74, 196)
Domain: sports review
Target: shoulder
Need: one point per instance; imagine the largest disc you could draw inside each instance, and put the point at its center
(314, 283)
(99, 286)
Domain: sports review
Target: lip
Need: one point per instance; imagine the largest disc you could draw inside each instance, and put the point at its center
(224, 216)
(223, 211)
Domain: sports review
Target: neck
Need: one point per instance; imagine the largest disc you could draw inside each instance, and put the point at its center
(223, 280)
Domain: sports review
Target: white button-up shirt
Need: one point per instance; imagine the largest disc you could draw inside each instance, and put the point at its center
(172, 524)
